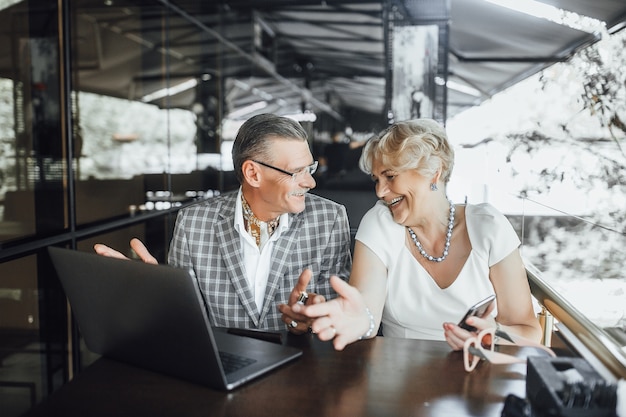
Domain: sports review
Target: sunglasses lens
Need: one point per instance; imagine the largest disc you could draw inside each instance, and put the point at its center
(487, 341)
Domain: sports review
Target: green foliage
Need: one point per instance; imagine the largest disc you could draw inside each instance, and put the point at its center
(593, 161)
(602, 69)
(586, 244)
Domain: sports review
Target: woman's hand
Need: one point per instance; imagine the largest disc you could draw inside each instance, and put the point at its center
(456, 335)
(343, 319)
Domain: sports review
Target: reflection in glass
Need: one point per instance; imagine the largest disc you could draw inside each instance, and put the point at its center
(139, 138)
(415, 67)
(31, 199)
(21, 364)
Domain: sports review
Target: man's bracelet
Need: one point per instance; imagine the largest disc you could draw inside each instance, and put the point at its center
(372, 324)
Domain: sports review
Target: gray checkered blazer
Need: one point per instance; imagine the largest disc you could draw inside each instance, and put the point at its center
(206, 242)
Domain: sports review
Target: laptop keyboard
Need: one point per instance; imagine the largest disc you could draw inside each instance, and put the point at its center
(232, 362)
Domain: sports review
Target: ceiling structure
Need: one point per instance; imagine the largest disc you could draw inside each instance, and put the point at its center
(326, 56)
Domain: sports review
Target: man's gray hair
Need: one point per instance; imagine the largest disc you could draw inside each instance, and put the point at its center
(253, 138)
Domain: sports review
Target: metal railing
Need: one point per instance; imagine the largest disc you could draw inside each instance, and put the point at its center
(595, 340)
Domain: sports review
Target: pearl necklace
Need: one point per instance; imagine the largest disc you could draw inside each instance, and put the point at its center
(448, 237)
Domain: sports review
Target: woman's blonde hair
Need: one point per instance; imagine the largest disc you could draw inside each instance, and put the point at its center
(420, 144)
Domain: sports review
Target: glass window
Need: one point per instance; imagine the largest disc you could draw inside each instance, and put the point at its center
(31, 171)
(137, 138)
(32, 354)
(570, 220)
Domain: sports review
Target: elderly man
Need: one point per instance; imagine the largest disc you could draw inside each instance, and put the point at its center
(264, 245)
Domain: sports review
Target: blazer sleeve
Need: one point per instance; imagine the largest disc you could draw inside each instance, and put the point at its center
(337, 259)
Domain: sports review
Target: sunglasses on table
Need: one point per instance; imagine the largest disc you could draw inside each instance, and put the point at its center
(482, 346)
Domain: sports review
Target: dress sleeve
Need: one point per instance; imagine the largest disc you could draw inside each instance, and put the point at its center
(490, 232)
(381, 234)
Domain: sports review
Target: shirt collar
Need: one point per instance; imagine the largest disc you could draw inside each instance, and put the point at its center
(239, 225)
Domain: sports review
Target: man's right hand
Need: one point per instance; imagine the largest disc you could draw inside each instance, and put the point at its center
(136, 245)
(297, 323)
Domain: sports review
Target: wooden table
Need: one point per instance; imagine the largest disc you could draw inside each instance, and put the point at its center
(377, 377)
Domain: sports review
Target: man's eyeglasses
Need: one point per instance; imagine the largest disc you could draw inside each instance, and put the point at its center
(310, 169)
(483, 344)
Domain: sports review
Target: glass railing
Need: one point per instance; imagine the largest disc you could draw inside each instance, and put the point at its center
(602, 347)
(576, 268)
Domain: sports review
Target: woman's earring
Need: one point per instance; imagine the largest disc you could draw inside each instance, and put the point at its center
(433, 187)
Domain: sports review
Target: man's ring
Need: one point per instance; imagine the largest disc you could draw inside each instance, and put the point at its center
(293, 324)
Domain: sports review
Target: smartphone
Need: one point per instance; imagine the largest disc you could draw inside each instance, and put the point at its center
(477, 309)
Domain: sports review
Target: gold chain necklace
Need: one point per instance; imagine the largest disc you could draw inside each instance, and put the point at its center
(253, 224)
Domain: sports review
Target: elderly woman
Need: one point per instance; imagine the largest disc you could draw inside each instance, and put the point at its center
(419, 259)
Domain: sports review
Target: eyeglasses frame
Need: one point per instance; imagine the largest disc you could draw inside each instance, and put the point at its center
(309, 168)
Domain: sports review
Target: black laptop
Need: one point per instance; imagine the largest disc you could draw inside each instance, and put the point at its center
(155, 317)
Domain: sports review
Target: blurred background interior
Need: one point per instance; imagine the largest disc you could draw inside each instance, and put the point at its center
(114, 114)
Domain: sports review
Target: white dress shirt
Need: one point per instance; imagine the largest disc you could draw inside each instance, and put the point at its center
(257, 260)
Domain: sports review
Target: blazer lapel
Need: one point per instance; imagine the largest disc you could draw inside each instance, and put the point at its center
(233, 259)
(279, 263)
